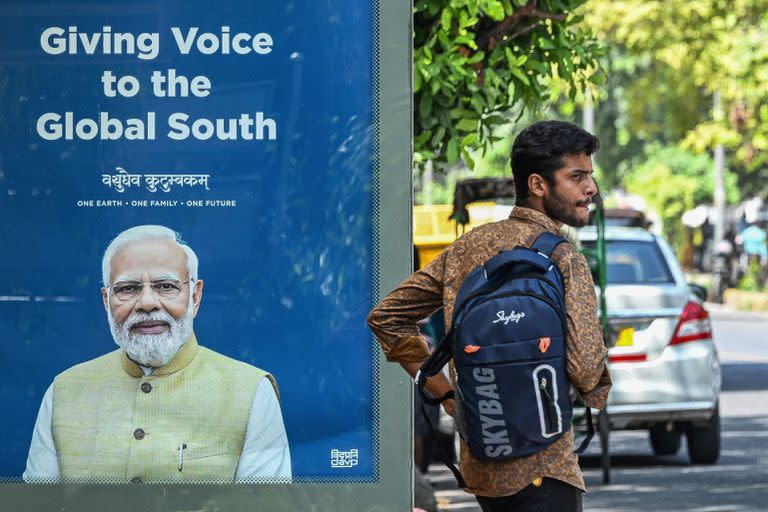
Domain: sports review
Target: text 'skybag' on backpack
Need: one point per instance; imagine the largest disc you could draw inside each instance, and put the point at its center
(507, 340)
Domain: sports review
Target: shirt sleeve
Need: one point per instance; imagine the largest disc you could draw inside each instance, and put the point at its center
(395, 320)
(266, 455)
(585, 348)
(42, 461)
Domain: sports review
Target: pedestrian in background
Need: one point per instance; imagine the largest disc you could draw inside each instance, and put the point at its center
(753, 239)
(753, 242)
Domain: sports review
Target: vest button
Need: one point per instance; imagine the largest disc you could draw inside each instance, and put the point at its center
(138, 433)
(146, 387)
(137, 480)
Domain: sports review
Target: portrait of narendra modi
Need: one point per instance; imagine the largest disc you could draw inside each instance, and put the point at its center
(160, 408)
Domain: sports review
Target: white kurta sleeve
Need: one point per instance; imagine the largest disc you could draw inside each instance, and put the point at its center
(265, 453)
(42, 461)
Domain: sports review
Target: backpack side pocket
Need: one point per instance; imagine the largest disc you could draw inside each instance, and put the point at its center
(545, 386)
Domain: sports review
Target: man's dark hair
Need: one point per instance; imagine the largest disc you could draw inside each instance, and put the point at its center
(540, 147)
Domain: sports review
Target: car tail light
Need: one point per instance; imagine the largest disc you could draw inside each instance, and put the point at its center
(694, 325)
(627, 358)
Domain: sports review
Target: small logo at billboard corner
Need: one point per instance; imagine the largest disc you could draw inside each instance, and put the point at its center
(340, 459)
(471, 349)
(513, 316)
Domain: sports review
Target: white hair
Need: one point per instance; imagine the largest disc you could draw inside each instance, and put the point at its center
(147, 232)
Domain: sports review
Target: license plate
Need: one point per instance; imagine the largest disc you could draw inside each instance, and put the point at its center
(626, 337)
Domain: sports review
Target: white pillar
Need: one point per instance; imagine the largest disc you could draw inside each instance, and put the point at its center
(426, 183)
(588, 115)
(719, 195)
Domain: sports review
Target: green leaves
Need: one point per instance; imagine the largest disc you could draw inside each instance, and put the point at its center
(417, 80)
(425, 105)
(494, 9)
(452, 151)
(467, 125)
(445, 19)
(469, 68)
(520, 75)
(477, 57)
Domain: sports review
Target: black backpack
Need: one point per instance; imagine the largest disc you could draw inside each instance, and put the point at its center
(508, 342)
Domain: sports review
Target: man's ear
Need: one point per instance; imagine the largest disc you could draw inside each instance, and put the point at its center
(105, 298)
(197, 296)
(537, 185)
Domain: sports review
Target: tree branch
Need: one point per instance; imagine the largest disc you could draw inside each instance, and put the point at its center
(488, 40)
(522, 31)
(543, 15)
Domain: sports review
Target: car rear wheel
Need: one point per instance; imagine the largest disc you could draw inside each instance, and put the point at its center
(704, 440)
(664, 442)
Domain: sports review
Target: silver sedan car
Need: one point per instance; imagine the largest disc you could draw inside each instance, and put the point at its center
(664, 364)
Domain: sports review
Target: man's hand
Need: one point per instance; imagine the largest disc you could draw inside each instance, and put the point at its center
(437, 385)
(450, 407)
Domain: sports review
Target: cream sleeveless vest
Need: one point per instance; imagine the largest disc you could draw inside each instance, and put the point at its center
(112, 423)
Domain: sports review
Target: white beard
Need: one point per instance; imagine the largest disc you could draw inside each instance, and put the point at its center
(152, 350)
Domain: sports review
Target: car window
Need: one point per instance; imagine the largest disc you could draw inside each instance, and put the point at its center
(634, 262)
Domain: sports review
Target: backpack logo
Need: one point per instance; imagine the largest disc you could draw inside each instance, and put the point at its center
(471, 349)
(544, 343)
(502, 316)
(494, 427)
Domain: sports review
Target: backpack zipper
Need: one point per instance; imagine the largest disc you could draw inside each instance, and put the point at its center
(551, 413)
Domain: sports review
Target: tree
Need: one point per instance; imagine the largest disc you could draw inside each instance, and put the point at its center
(474, 60)
(681, 52)
(673, 181)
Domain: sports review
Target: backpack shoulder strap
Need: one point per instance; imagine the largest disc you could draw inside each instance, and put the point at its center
(547, 242)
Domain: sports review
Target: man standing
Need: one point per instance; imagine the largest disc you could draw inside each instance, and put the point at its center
(160, 408)
(552, 169)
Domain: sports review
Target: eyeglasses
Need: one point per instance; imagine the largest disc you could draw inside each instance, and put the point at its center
(163, 288)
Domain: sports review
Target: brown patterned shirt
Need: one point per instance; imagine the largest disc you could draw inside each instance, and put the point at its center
(394, 321)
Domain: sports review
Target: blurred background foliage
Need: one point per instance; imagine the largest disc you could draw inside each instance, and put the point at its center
(680, 180)
(666, 61)
(651, 69)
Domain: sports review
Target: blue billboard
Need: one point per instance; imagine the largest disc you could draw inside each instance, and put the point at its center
(246, 127)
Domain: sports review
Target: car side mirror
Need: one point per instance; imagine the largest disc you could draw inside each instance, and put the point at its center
(699, 291)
